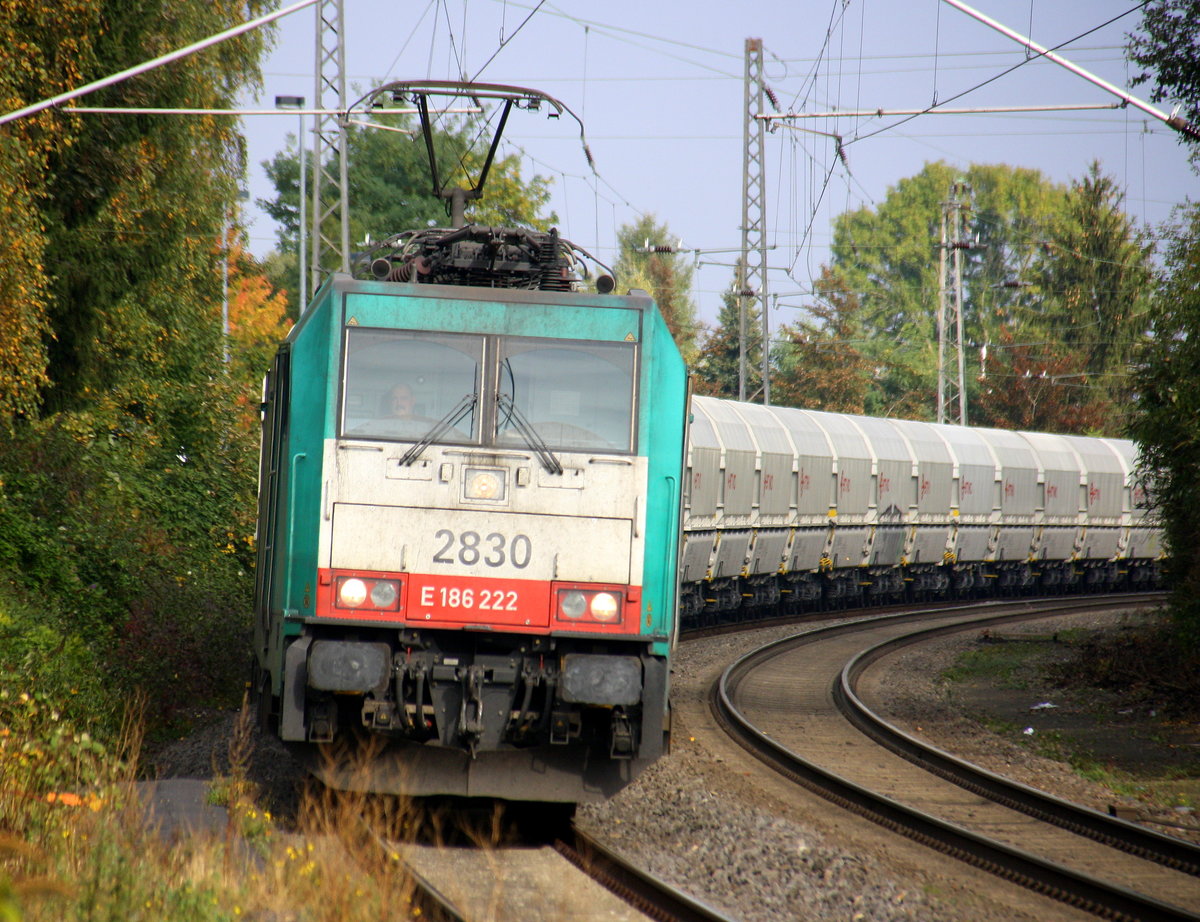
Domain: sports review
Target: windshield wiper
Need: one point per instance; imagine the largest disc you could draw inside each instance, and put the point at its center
(532, 439)
(447, 422)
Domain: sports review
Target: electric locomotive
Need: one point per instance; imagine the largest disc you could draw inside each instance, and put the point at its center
(469, 524)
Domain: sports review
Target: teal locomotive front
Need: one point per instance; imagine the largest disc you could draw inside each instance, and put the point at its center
(469, 536)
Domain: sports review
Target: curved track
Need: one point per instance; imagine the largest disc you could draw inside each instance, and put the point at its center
(784, 702)
(580, 880)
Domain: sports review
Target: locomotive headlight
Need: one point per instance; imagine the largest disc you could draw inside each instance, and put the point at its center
(572, 604)
(589, 605)
(604, 607)
(367, 595)
(384, 593)
(352, 593)
(483, 483)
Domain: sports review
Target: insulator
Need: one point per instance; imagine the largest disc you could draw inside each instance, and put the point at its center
(401, 272)
(553, 270)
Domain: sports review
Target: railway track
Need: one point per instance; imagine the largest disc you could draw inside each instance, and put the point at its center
(789, 703)
(577, 879)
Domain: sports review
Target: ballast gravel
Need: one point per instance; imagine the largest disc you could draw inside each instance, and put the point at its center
(686, 823)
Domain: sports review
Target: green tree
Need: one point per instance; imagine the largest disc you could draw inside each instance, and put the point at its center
(1041, 264)
(126, 496)
(646, 259)
(819, 364)
(131, 309)
(44, 48)
(889, 255)
(1095, 281)
(1167, 384)
(391, 191)
(1168, 406)
(1168, 46)
(717, 364)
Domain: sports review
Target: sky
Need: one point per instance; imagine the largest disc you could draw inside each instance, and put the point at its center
(659, 88)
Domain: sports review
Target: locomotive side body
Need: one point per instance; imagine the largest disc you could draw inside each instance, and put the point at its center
(808, 507)
(469, 532)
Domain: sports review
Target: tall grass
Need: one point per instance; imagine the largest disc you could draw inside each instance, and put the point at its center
(76, 843)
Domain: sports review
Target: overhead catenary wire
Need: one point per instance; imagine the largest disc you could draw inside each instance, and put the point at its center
(994, 77)
(387, 74)
(601, 47)
(506, 39)
(154, 63)
(1173, 120)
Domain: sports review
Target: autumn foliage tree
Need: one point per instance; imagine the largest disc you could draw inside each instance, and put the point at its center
(258, 322)
(126, 476)
(819, 363)
(1038, 386)
(717, 367)
(47, 50)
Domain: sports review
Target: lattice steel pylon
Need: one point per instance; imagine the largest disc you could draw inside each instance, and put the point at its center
(330, 240)
(952, 372)
(752, 267)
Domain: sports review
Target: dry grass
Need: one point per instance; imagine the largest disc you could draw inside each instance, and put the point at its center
(75, 842)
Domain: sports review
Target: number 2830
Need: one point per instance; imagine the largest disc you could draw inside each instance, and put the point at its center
(493, 550)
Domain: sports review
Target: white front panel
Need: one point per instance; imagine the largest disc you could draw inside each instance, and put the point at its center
(379, 514)
(475, 543)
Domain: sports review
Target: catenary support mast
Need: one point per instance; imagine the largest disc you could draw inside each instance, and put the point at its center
(751, 281)
(330, 199)
(952, 366)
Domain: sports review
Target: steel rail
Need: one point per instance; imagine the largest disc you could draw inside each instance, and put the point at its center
(1054, 880)
(1112, 831)
(648, 894)
(426, 900)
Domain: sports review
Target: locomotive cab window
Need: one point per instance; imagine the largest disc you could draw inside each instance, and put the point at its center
(573, 395)
(403, 385)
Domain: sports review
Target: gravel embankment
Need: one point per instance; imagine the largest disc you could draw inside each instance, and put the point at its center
(700, 820)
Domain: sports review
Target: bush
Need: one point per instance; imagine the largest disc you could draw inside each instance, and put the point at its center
(186, 645)
(126, 566)
(1145, 663)
(65, 664)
